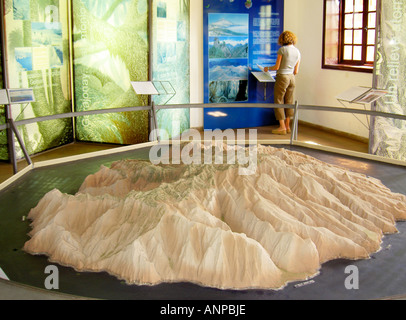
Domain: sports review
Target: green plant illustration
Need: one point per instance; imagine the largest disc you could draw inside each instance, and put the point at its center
(109, 54)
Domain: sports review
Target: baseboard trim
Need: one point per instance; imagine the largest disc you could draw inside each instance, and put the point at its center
(334, 131)
(322, 128)
(200, 129)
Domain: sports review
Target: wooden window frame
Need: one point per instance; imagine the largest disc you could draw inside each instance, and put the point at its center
(340, 63)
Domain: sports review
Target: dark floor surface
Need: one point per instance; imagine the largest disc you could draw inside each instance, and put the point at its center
(381, 276)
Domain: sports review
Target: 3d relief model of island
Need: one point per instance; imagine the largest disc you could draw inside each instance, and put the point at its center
(209, 225)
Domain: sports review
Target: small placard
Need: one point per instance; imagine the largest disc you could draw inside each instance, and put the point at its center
(361, 95)
(3, 97)
(372, 95)
(352, 93)
(263, 76)
(144, 87)
(19, 96)
(3, 275)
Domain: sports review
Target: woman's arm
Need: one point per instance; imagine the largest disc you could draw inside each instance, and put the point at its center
(296, 71)
(277, 64)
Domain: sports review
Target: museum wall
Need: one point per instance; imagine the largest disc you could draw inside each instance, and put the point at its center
(196, 62)
(315, 86)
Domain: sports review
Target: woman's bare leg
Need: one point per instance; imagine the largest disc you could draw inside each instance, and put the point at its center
(287, 124)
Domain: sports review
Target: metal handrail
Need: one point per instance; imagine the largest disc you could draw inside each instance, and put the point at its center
(205, 106)
(154, 108)
(73, 115)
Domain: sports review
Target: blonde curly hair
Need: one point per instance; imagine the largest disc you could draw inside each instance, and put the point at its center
(287, 38)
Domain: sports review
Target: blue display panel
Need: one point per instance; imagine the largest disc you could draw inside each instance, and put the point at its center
(238, 36)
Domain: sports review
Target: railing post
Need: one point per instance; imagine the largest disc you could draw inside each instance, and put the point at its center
(10, 140)
(20, 141)
(10, 135)
(155, 121)
(295, 123)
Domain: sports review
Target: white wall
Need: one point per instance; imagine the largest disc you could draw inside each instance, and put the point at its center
(315, 86)
(196, 62)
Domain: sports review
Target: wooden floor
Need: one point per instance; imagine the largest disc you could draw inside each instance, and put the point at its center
(305, 134)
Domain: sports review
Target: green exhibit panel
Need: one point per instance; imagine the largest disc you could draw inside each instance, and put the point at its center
(106, 58)
(82, 55)
(36, 38)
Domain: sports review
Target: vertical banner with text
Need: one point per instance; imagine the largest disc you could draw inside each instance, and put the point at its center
(3, 133)
(388, 136)
(110, 51)
(171, 64)
(37, 58)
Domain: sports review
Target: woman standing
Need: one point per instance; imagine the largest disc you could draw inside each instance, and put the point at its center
(287, 66)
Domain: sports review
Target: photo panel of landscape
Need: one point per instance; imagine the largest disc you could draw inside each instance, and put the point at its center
(161, 8)
(46, 34)
(228, 47)
(23, 58)
(21, 9)
(228, 80)
(45, 51)
(228, 24)
(228, 57)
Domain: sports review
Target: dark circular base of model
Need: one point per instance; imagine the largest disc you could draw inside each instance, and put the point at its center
(381, 276)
